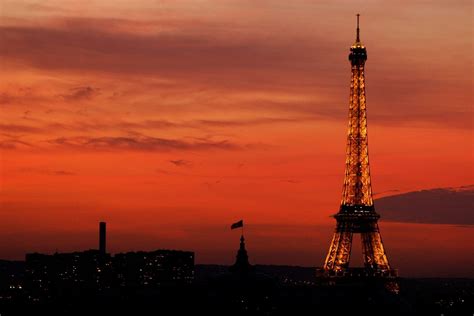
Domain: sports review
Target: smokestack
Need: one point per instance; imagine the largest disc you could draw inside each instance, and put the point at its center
(102, 237)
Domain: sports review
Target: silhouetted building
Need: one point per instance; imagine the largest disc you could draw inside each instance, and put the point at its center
(241, 264)
(93, 271)
(59, 274)
(52, 275)
(154, 268)
(11, 280)
(102, 238)
(242, 290)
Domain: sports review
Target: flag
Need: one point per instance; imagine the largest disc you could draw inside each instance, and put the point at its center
(237, 224)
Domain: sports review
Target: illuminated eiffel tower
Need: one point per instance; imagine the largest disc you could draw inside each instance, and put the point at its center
(357, 213)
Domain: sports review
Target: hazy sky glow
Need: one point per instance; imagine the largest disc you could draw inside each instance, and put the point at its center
(172, 119)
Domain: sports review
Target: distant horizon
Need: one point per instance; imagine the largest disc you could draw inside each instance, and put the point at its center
(250, 238)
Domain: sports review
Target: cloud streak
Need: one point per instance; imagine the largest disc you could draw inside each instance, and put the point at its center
(181, 163)
(47, 171)
(20, 129)
(198, 55)
(81, 93)
(12, 143)
(182, 54)
(139, 143)
(45, 127)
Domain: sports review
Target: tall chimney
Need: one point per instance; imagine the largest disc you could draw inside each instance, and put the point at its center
(102, 237)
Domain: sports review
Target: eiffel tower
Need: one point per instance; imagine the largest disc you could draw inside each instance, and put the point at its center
(357, 213)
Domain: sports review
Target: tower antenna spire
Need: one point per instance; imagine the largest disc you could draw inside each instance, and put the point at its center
(358, 30)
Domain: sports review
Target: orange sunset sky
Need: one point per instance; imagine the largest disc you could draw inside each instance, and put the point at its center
(172, 119)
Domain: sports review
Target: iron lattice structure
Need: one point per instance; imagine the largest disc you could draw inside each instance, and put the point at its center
(357, 213)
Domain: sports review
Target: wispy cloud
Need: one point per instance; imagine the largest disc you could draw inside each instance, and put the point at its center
(12, 143)
(39, 126)
(181, 163)
(81, 93)
(20, 129)
(166, 54)
(248, 61)
(254, 121)
(47, 171)
(140, 143)
(64, 173)
(292, 181)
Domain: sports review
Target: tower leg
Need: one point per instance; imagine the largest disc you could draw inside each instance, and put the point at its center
(339, 252)
(373, 250)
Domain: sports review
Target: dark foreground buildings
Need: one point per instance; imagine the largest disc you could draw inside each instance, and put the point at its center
(154, 268)
(51, 275)
(95, 271)
(166, 282)
(48, 276)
